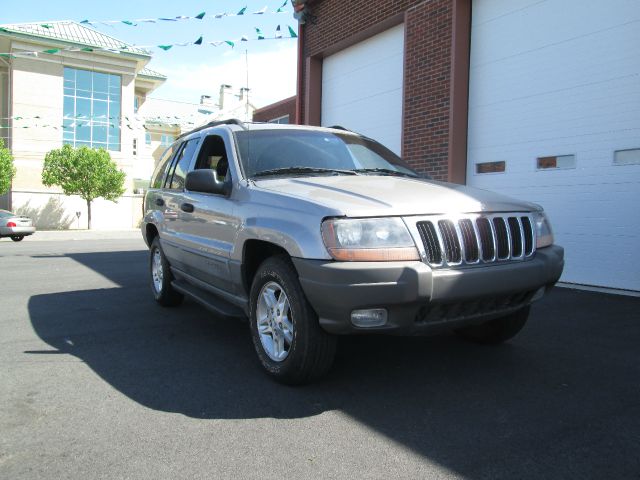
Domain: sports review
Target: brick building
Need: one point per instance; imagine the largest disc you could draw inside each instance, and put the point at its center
(537, 100)
(283, 111)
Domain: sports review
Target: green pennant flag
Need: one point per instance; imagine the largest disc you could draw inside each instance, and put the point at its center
(51, 51)
(86, 49)
(281, 8)
(230, 43)
(17, 118)
(46, 25)
(241, 12)
(198, 41)
(292, 32)
(7, 55)
(128, 22)
(2, 29)
(165, 47)
(260, 35)
(200, 16)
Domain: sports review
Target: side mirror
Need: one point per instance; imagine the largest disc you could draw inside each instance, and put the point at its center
(206, 181)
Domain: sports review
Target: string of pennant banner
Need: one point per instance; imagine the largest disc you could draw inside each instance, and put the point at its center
(259, 36)
(201, 16)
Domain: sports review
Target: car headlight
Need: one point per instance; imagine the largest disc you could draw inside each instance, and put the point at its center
(368, 240)
(544, 234)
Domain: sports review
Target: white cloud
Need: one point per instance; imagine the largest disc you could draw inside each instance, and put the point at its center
(272, 76)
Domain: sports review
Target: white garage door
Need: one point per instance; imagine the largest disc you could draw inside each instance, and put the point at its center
(555, 95)
(362, 88)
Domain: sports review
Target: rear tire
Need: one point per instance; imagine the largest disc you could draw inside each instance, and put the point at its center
(496, 331)
(161, 277)
(17, 238)
(291, 345)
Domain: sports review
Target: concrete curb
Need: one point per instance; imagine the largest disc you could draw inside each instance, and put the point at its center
(72, 235)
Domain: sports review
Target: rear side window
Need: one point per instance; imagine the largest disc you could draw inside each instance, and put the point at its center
(182, 164)
(157, 180)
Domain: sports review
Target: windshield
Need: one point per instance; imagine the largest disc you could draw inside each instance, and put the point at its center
(305, 152)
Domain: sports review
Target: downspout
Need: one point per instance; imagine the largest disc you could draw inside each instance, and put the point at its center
(298, 119)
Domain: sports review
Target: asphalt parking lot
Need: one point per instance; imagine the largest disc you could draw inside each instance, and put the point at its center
(97, 381)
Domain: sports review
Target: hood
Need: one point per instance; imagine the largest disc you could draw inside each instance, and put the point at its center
(371, 195)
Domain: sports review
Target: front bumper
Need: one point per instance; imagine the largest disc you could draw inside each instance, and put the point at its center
(11, 231)
(420, 299)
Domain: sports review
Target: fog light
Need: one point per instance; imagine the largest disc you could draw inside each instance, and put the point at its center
(538, 295)
(375, 317)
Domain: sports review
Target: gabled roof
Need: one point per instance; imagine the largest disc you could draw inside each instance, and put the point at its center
(71, 32)
(147, 72)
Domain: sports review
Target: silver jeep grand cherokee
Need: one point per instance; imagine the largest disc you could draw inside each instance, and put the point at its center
(317, 232)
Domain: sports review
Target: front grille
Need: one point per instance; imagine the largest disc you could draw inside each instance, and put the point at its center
(476, 239)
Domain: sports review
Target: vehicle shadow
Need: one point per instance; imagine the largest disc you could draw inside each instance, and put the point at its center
(518, 410)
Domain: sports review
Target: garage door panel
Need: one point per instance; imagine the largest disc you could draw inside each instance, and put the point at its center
(556, 78)
(362, 88)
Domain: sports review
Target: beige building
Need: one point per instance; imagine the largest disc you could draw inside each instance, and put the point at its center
(63, 82)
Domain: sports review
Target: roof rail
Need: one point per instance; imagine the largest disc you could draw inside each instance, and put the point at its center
(339, 127)
(215, 123)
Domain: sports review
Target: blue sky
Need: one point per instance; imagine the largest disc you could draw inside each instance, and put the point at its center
(193, 70)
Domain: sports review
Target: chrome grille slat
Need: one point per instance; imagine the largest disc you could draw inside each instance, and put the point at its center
(451, 242)
(429, 238)
(515, 235)
(502, 238)
(475, 239)
(469, 241)
(529, 241)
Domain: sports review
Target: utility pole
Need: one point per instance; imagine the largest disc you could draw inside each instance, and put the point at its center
(246, 105)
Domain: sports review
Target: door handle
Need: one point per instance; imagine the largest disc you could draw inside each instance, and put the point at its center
(187, 207)
(159, 202)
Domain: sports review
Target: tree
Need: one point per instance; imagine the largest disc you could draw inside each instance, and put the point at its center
(84, 171)
(7, 170)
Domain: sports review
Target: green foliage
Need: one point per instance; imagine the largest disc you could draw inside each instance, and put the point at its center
(83, 171)
(7, 170)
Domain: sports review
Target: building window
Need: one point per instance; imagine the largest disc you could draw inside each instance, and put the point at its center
(147, 138)
(92, 109)
(556, 162)
(284, 120)
(490, 167)
(627, 157)
(135, 146)
(167, 140)
(136, 104)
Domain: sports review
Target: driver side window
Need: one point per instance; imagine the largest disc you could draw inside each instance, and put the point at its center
(213, 155)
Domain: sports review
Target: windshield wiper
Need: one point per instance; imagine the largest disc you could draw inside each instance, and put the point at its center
(298, 170)
(386, 171)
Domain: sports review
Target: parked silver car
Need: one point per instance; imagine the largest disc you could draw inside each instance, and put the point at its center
(316, 232)
(15, 226)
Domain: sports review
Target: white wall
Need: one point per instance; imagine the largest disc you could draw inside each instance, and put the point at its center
(554, 78)
(362, 88)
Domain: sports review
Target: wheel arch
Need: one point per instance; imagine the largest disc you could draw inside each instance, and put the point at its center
(254, 252)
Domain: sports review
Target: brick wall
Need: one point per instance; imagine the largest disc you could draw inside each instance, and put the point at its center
(276, 110)
(427, 67)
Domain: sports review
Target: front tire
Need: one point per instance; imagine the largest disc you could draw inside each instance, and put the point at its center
(161, 277)
(17, 238)
(496, 331)
(291, 345)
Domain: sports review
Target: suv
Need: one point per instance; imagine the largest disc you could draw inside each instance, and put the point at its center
(317, 232)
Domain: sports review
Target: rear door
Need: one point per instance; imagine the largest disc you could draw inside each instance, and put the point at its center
(173, 241)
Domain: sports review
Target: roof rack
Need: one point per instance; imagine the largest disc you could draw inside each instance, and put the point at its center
(215, 123)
